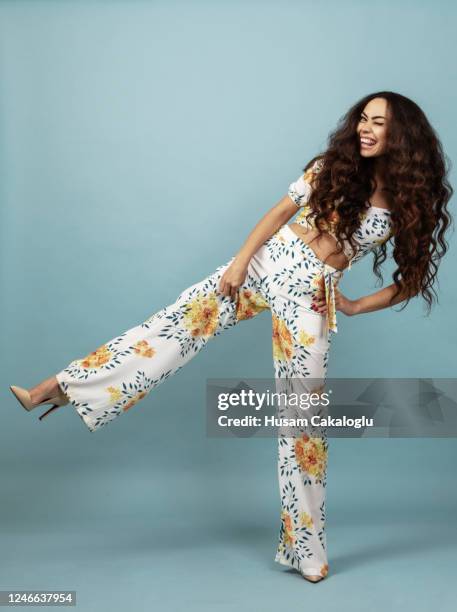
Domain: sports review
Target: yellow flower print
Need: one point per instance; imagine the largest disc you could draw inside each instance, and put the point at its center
(289, 535)
(306, 520)
(318, 287)
(97, 358)
(115, 394)
(249, 304)
(134, 400)
(202, 315)
(282, 340)
(332, 315)
(306, 339)
(143, 349)
(311, 455)
(317, 282)
(301, 217)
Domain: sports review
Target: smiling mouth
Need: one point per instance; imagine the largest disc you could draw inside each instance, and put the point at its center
(367, 142)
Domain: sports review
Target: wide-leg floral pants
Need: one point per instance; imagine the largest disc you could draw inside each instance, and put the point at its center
(285, 277)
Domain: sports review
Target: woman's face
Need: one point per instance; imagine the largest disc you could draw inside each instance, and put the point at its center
(372, 127)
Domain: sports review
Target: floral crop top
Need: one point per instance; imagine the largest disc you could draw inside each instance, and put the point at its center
(375, 227)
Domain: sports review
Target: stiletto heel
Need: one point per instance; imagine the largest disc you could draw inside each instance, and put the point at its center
(48, 411)
(23, 396)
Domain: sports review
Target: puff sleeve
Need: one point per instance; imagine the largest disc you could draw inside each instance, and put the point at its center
(300, 190)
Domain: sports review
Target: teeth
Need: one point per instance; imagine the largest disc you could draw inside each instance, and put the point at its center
(367, 141)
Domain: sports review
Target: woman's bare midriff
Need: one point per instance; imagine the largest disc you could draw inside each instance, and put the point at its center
(322, 246)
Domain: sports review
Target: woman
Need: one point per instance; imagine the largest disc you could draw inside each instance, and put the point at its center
(382, 178)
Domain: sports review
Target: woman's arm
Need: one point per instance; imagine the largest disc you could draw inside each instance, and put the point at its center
(272, 220)
(265, 228)
(369, 303)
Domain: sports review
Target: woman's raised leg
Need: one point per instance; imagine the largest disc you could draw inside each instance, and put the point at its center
(111, 379)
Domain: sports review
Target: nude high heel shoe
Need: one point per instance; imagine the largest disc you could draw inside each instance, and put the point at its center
(23, 396)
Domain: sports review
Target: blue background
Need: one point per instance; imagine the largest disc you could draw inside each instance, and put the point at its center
(141, 142)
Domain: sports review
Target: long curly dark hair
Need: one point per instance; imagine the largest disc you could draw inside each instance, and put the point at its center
(414, 170)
